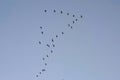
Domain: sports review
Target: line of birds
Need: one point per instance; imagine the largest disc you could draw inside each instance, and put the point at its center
(53, 39)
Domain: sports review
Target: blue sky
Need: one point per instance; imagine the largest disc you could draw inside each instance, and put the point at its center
(89, 51)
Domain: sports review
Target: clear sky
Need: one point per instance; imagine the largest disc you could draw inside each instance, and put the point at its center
(89, 51)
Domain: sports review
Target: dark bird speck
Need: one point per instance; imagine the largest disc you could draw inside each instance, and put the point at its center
(47, 45)
(56, 36)
(42, 32)
(68, 25)
(36, 75)
(45, 10)
(40, 27)
(51, 51)
(45, 64)
(73, 15)
(61, 12)
(76, 19)
(47, 56)
(81, 16)
(53, 45)
(39, 42)
(73, 22)
(67, 13)
(43, 70)
(62, 32)
(54, 11)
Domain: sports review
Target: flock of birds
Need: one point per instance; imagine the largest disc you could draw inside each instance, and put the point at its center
(52, 45)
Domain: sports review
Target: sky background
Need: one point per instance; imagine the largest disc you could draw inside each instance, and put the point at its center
(90, 51)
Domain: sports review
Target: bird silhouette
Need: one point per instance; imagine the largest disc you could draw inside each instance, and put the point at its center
(43, 70)
(81, 16)
(45, 64)
(71, 27)
(73, 15)
(39, 42)
(43, 58)
(47, 45)
(51, 51)
(39, 72)
(45, 10)
(54, 11)
(73, 22)
(52, 40)
(61, 12)
(53, 45)
(47, 56)
(36, 75)
(42, 32)
(62, 32)
(40, 27)
(76, 19)
(68, 25)
(56, 36)
(67, 13)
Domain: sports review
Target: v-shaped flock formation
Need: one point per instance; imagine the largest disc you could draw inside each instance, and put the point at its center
(52, 45)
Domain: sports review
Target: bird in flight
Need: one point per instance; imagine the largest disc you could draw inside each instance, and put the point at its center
(67, 13)
(36, 75)
(43, 70)
(47, 56)
(73, 22)
(40, 27)
(61, 12)
(62, 32)
(51, 51)
(45, 10)
(76, 19)
(53, 45)
(54, 11)
(39, 42)
(56, 36)
(68, 25)
(45, 64)
(43, 58)
(52, 40)
(41, 32)
(47, 45)
(81, 16)
(73, 15)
